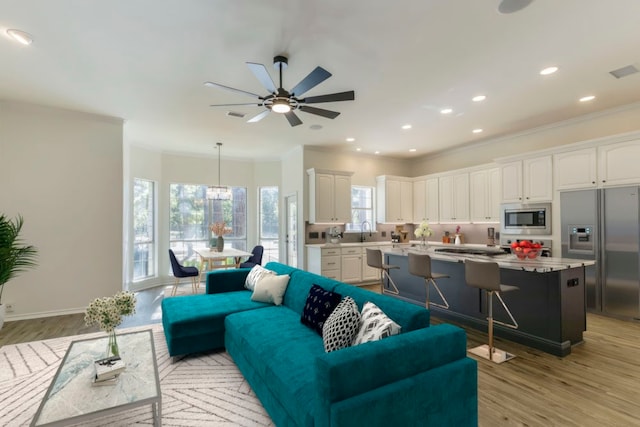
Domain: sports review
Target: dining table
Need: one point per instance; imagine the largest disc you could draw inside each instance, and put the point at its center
(211, 259)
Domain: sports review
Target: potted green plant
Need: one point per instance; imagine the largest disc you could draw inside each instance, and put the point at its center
(14, 256)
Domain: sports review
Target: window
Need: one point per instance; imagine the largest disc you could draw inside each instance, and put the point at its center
(143, 229)
(269, 224)
(190, 214)
(361, 208)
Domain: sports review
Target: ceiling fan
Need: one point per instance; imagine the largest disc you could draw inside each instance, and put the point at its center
(286, 102)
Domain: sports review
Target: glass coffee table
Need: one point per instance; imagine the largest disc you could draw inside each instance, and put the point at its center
(71, 397)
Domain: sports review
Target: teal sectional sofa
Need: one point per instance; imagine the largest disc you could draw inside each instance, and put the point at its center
(421, 377)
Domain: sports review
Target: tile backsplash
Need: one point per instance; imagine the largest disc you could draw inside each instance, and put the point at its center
(472, 233)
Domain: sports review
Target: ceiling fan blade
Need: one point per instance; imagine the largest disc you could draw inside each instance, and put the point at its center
(263, 76)
(340, 96)
(293, 119)
(259, 117)
(230, 105)
(219, 86)
(319, 111)
(313, 79)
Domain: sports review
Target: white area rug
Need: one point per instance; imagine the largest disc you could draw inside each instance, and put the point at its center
(184, 289)
(199, 390)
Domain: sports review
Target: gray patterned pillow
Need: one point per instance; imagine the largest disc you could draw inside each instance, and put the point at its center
(341, 326)
(254, 275)
(375, 325)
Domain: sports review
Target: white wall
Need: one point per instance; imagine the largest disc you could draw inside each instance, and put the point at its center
(62, 171)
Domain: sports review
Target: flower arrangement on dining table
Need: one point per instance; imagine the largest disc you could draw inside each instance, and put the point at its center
(423, 231)
(219, 228)
(107, 313)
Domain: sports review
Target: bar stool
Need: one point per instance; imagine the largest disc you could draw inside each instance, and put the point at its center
(420, 265)
(374, 260)
(486, 275)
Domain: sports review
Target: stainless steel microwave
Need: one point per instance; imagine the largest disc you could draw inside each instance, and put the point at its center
(525, 219)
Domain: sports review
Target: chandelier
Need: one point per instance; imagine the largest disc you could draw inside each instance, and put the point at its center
(218, 192)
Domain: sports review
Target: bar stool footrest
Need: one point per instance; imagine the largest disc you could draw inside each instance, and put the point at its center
(499, 356)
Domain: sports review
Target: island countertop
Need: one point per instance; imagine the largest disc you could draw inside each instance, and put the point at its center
(508, 261)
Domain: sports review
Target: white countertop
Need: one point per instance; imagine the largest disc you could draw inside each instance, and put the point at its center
(538, 265)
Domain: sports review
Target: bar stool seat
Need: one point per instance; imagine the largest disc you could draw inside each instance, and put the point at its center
(486, 276)
(420, 265)
(374, 260)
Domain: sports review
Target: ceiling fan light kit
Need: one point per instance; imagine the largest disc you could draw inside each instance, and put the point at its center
(286, 102)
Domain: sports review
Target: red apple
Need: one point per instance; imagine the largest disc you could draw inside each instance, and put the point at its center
(514, 245)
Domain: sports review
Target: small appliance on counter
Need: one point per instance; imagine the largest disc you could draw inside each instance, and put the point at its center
(401, 235)
(491, 236)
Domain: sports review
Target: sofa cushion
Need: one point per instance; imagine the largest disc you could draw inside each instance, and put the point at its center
(342, 326)
(255, 275)
(270, 288)
(409, 316)
(375, 325)
(320, 304)
(282, 352)
(296, 296)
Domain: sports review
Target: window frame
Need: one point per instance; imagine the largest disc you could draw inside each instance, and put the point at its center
(352, 227)
(152, 242)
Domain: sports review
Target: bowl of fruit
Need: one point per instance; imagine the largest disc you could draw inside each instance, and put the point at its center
(526, 249)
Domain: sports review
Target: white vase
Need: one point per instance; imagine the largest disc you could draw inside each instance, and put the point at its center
(3, 311)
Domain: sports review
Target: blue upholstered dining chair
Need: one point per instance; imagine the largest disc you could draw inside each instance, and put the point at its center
(180, 271)
(255, 258)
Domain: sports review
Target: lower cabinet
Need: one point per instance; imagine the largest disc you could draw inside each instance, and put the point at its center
(346, 264)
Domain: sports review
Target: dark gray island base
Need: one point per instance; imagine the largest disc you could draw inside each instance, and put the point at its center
(549, 306)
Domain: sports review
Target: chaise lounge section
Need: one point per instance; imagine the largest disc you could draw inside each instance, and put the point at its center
(418, 377)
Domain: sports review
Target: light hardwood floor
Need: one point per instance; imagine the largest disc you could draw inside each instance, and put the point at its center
(596, 385)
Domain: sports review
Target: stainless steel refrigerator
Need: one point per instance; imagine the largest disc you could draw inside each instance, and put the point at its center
(604, 225)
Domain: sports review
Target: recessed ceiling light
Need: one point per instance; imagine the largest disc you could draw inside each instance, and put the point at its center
(548, 70)
(315, 127)
(512, 6)
(350, 139)
(587, 98)
(405, 127)
(412, 150)
(479, 98)
(477, 131)
(377, 152)
(358, 149)
(20, 36)
(446, 110)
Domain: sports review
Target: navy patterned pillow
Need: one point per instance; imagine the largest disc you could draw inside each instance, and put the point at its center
(320, 304)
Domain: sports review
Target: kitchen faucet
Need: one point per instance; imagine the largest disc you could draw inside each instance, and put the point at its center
(362, 230)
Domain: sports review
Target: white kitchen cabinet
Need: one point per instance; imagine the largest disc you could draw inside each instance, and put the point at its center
(325, 262)
(425, 200)
(484, 195)
(329, 196)
(618, 163)
(394, 200)
(453, 191)
(527, 181)
(575, 169)
(419, 200)
(351, 267)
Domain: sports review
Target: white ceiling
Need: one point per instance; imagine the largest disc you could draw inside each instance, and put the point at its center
(146, 60)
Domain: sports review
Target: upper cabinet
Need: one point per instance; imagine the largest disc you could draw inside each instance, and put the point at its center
(425, 200)
(575, 169)
(329, 196)
(527, 181)
(453, 191)
(394, 199)
(485, 195)
(618, 163)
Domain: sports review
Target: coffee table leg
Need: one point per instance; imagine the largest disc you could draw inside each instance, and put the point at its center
(156, 408)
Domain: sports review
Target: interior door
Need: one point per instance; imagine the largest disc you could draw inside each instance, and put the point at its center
(291, 247)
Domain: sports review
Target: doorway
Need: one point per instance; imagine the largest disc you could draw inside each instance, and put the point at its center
(291, 247)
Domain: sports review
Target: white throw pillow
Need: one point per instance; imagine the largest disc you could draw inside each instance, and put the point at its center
(254, 275)
(375, 325)
(270, 288)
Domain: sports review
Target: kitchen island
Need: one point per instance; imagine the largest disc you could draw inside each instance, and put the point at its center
(549, 306)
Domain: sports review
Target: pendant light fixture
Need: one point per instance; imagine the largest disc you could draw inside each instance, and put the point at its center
(218, 192)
